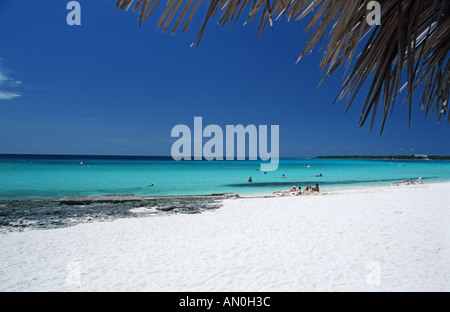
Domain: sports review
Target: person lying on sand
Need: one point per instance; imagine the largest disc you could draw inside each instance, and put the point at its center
(411, 181)
(294, 189)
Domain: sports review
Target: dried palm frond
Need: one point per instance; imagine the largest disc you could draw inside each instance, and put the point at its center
(413, 40)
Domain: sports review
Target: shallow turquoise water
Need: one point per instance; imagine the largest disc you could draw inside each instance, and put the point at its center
(53, 177)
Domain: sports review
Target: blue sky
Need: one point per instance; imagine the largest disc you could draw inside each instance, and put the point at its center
(110, 87)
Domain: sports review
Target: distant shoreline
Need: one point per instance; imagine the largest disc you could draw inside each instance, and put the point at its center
(388, 157)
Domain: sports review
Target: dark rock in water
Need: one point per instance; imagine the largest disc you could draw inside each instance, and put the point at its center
(168, 208)
(17, 215)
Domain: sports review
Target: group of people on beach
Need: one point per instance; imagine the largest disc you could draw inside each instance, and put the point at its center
(295, 191)
(409, 182)
(298, 191)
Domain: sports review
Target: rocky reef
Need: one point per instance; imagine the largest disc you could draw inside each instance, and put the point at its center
(19, 215)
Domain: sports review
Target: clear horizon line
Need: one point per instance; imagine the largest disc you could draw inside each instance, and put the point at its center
(169, 156)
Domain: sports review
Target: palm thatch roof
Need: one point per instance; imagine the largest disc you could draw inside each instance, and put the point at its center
(407, 52)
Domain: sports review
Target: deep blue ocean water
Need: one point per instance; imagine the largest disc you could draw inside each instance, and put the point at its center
(34, 176)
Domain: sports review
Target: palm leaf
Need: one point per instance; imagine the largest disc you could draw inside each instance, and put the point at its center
(408, 51)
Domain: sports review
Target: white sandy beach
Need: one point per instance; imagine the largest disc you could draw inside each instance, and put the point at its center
(372, 239)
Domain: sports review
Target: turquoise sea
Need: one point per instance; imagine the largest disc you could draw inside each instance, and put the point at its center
(38, 176)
